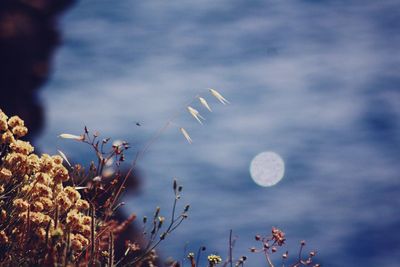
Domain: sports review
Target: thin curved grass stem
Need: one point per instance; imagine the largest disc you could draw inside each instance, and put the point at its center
(268, 259)
(145, 149)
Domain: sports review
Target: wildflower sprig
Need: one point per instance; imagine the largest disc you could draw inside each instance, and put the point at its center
(158, 232)
(104, 154)
(271, 243)
(214, 259)
(109, 157)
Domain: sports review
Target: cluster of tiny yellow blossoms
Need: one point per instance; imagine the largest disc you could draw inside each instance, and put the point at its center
(42, 207)
(11, 127)
(214, 259)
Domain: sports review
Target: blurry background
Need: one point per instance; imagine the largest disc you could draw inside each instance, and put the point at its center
(315, 81)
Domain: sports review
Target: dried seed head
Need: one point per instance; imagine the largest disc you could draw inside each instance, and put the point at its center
(5, 174)
(58, 232)
(108, 172)
(186, 208)
(161, 219)
(97, 179)
(204, 103)
(278, 236)
(3, 124)
(20, 131)
(3, 215)
(72, 136)
(117, 143)
(218, 96)
(157, 212)
(3, 238)
(163, 235)
(15, 121)
(186, 135)
(190, 255)
(64, 157)
(214, 259)
(195, 114)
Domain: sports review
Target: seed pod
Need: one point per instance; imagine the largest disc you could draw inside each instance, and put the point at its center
(186, 208)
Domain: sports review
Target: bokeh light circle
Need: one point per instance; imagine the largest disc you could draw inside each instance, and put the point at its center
(267, 168)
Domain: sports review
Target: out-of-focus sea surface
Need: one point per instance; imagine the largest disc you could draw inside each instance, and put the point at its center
(314, 81)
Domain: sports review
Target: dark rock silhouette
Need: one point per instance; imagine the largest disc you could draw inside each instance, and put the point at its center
(28, 39)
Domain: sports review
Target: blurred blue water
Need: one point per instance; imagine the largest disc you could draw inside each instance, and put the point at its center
(315, 81)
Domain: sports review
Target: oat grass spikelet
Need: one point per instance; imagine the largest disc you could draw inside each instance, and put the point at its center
(195, 114)
(218, 96)
(71, 136)
(204, 103)
(186, 135)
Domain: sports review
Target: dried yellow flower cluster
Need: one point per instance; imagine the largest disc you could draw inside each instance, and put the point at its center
(42, 207)
(11, 127)
(214, 259)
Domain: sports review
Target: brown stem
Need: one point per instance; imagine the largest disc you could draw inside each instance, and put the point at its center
(268, 259)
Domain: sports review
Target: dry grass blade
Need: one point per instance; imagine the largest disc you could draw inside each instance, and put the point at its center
(186, 135)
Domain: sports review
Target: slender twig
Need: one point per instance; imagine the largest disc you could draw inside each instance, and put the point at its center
(111, 250)
(201, 248)
(230, 248)
(268, 259)
(146, 147)
(184, 254)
